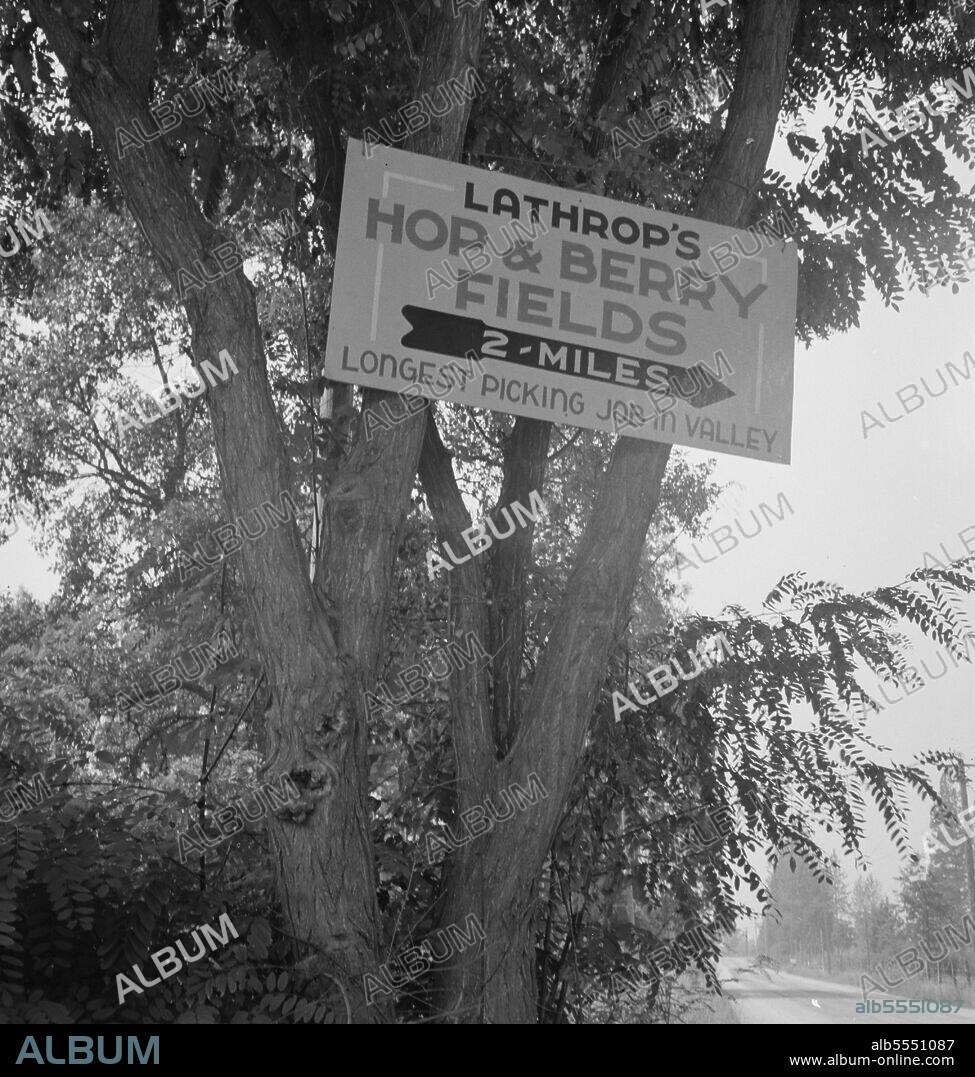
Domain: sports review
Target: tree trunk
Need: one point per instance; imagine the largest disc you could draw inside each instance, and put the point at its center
(494, 983)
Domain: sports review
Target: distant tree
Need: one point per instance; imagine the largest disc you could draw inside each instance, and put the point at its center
(866, 900)
(934, 894)
(805, 909)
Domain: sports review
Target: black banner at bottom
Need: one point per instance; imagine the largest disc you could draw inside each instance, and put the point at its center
(776, 1049)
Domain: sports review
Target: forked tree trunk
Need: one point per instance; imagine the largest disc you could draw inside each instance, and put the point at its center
(500, 872)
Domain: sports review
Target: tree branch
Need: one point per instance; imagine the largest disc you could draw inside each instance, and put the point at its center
(250, 448)
(525, 454)
(369, 496)
(473, 736)
(594, 608)
(129, 42)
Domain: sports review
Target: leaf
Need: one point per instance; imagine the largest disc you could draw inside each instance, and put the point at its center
(210, 171)
(243, 184)
(22, 68)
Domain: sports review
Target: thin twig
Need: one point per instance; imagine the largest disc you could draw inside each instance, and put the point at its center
(237, 723)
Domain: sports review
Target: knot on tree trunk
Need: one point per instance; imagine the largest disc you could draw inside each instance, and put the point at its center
(315, 782)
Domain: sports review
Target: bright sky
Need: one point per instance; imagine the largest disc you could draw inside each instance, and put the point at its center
(866, 510)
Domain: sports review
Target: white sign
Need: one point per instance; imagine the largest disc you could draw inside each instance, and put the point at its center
(581, 308)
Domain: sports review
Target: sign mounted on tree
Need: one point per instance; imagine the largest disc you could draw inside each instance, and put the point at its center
(582, 310)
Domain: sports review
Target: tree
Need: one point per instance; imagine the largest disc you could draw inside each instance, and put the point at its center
(869, 907)
(320, 637)
(935, 895)
(805, 923)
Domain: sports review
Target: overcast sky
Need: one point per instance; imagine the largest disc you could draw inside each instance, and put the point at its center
(866, 510)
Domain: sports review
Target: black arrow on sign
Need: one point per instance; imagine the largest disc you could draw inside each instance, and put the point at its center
(456, 335)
